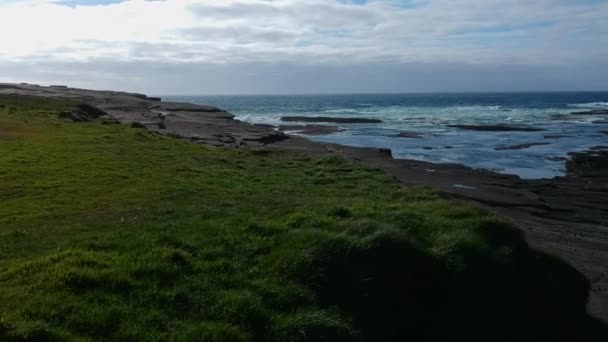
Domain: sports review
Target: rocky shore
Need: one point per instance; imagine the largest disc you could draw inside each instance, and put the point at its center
(201, 124)
(566, 216)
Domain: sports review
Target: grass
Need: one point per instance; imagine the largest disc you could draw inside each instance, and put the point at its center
(109, 232)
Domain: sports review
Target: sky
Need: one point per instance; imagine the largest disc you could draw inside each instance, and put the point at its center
(306, 46)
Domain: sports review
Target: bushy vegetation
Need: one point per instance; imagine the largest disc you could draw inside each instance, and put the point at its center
(109, 232)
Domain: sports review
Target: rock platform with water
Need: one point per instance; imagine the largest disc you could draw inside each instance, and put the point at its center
(566, 216)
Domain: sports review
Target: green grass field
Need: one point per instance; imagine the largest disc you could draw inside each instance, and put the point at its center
(109, 232)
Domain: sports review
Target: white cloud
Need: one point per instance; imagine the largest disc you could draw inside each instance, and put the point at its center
(301, 30)
(306, 32)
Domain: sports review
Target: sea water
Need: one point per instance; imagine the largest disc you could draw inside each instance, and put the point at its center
(430, 115)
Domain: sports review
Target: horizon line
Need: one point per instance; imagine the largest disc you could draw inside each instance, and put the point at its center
(390, 93)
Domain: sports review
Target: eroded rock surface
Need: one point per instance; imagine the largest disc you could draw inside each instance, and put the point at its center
(201, 124)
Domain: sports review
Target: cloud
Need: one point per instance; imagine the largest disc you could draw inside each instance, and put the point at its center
(324, 33)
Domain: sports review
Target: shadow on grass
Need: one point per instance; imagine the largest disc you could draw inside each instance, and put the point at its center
(395, 290)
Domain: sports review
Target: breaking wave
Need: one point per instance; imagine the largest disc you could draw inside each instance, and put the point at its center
(590, 105)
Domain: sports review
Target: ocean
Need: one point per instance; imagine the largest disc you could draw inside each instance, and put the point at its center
(431, 115)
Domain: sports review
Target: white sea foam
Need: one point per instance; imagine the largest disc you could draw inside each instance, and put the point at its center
(590, 105)
(341, 110)
(433, 117)
(475, 108)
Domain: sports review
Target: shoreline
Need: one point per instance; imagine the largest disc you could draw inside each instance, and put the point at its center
(508, 134)
(565, 216)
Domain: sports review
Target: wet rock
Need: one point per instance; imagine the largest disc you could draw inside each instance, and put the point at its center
(589, 164)
(410, 135)
(328, 119)
(312, 129)
(188, 107)
(557, 136)
(466, 187)
(519, 147)
(556, 159)
(591, 112)
(386, 151)
(263, 125)
(561, 116)
(498, 128)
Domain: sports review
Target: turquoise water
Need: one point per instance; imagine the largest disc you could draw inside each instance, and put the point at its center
(430, 115)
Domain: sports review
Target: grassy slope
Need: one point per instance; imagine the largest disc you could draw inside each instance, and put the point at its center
(111, 232)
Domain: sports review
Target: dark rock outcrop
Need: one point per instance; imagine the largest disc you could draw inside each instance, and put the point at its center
(590, 164)
(556, 159)
(556, 136)
(591, 112)
(188, 107)
(410, 135)
(137, 125)
(519, 147)
(83, 113)
(558, 117)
